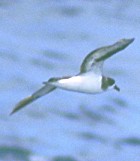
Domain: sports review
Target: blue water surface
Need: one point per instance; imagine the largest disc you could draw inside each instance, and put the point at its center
(41, 39)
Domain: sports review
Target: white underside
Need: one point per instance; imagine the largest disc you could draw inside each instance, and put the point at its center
(85, 83)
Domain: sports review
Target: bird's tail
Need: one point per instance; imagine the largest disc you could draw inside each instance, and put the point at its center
(41, 92)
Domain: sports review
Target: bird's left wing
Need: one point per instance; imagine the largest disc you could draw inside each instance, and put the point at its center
(94, 60)
(39, 93)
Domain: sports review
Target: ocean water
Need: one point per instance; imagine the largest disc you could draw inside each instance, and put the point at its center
(43, 39)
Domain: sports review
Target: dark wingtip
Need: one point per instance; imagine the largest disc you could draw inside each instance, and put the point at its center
(131, 40)
(11, 113)
(126, 42)
(22, 104)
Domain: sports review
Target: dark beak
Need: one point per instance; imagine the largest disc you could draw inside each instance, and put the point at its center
(116, 88)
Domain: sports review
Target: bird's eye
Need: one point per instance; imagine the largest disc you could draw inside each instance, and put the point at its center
(111, 81)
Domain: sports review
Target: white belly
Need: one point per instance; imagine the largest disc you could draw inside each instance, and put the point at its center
(86, 83)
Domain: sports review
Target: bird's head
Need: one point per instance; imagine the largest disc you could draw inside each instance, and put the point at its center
(109, 83)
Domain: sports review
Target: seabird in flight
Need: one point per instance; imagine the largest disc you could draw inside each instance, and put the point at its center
(90, 78)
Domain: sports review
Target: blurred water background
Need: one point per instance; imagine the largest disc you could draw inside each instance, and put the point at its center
(40, 39)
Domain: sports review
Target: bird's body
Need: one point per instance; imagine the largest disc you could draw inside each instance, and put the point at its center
(90, 79)
(86, 83)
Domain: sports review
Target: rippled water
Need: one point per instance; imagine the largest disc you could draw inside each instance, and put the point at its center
(42, 39)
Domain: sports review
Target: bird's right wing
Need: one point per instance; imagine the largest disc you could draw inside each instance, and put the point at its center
(94, 60)
(41, 92)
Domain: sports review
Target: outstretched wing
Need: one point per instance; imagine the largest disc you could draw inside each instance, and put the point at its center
(41, 92)
(94, 60)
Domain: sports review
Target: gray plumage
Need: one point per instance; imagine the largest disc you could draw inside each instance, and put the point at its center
(94, 60)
